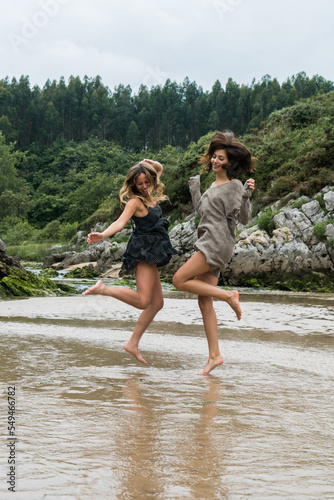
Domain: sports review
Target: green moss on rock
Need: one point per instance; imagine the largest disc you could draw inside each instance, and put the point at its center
(48, 273)
(24, 283)
(87, 272)
(17, 281)
(307, 282)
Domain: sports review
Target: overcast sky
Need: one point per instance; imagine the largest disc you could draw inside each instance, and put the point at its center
(134, 42)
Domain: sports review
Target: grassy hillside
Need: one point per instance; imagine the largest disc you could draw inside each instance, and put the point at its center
(295, 149)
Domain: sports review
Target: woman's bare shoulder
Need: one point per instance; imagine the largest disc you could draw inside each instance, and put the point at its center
(134, 202)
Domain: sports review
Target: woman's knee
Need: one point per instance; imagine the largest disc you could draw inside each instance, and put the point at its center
(158, 304)
(205, 303)
(144, 302)
(155, 303)
(177, 280)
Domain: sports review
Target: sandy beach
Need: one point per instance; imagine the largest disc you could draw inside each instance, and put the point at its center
(91, 422)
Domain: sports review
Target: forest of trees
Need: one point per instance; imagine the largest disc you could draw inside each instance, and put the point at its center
(64, 149)
(172, 114)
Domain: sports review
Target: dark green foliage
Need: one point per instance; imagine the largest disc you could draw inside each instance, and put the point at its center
(299, 203)
(121, 239)
(295, 158)
(68, 231)
(319, 230)
(265, 221)
(173, 114)
(301, 115)
(321, 201)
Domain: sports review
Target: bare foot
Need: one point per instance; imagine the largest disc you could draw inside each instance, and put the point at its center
(134, 351)
(234, 303)
(211, 364)
(94, 290)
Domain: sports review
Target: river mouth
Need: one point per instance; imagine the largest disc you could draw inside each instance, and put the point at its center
(94, 423)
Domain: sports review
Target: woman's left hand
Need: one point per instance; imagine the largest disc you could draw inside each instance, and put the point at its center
(156, 165)
(251, 184)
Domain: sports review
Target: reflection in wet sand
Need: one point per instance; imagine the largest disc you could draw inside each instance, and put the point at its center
(205, 455)
(94, 424)
(171, 461)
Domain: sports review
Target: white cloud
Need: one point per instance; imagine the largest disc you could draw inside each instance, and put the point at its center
(131, 42)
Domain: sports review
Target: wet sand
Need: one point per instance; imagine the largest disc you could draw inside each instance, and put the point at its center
(94, 423)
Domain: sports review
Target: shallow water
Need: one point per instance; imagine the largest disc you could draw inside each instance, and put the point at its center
(93, 423)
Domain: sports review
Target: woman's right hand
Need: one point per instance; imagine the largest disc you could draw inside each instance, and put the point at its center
(94, 238)
(194, 180)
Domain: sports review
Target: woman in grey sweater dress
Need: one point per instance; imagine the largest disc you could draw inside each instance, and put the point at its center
(224, 204)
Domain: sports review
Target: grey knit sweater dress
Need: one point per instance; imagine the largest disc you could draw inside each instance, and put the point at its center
(219, 208)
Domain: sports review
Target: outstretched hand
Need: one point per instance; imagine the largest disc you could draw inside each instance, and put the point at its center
(94, 238)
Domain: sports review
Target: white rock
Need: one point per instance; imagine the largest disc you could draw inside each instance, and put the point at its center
(313, 211)
(329, 231)
(329, 201)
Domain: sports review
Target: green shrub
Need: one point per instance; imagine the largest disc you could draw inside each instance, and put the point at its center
(7, 223)
(31, 252)
(321, 201)
(50, 231)
(67, 231)
(19, 233)
(265, 221)
(282, 186)
(299, 203)
(123, 238)
(319, 230)
(302, 114)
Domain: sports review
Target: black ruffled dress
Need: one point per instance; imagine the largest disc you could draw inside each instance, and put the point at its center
(149, 241)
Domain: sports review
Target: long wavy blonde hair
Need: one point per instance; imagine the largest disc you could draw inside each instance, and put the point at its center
(129, 189)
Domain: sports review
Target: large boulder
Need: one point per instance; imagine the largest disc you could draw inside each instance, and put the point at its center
(17, 281)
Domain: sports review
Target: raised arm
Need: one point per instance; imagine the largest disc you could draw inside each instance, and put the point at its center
(194, 186)
(244, 213)
(157, 167)
(130, 208)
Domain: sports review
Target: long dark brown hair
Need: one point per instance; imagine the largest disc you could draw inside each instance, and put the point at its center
(240, 160)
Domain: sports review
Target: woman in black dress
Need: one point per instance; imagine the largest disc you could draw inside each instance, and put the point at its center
(149, 246)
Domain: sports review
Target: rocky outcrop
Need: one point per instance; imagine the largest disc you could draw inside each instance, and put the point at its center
(293, 247)
(183, 237)
(104, 255)
(17, 281)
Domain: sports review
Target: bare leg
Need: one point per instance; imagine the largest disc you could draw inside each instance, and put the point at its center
(140, 298)
(197, 265)
(145, 319)
(210, 326)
